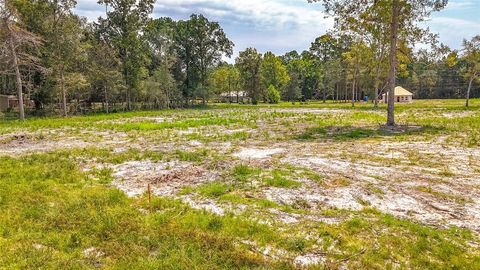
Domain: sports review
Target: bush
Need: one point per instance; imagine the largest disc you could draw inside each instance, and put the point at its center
(273, 96)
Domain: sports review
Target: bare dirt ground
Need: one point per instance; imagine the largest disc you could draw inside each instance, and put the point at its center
(428, 180)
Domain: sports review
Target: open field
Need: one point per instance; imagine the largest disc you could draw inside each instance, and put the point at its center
(314, 186)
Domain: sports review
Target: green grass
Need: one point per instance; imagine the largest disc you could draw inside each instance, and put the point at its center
(51, 210)
(442, 195)
(241, 173)
(215, 189)
(278, 179)
(378, 241)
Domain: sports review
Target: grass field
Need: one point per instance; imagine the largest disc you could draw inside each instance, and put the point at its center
(289, 186)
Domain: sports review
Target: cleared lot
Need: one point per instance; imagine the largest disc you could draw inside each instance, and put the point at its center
(315, 185)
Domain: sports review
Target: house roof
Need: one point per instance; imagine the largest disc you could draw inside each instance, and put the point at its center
(400, 91)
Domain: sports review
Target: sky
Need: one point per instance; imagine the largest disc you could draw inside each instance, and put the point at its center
(281, 26)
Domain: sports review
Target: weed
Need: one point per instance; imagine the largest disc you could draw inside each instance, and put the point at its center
(278, 180)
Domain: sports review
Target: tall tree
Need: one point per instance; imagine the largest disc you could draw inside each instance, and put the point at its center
(160, 34)
(471, 56)
(123, 27)
(65, 49)
(162, 84)
(273, 72)
(103, 71)
(402, 17)
(225, 79)
(200, 44)
(16, 41)
(248, 63)
(327, 51)
(356, 58)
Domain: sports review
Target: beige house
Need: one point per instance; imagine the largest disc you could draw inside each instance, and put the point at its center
(402, 95)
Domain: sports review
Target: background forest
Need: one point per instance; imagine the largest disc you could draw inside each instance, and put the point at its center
(126, 60)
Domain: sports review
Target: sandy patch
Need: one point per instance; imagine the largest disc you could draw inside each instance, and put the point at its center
(25, 145)
(309, 259)
(165, 178)
(396, 194)
(451, 115)
(308, 110)
(187, 131)
(257, 153)
(207, 205)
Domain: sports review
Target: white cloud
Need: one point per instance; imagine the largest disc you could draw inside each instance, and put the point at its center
(266, 13)
(275, 25)
(284, 25)
(452, 31)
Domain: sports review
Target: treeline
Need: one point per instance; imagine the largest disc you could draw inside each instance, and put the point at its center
(125, 60)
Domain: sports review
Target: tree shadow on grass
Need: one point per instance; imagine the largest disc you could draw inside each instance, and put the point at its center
(346, 133)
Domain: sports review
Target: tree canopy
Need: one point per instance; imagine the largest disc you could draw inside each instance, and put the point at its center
(128, 60)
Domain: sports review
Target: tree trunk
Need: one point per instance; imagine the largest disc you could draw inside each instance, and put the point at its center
(393, 63)
(19, 80)
(64, 94)
(106, 98)
(128, 96)
(353, 93)
(129, 101)
(375, 102)
(467, 103)
(324, 94)
(336, 92)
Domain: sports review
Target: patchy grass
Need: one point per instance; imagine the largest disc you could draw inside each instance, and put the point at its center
(442, 195)
(242, 172)
(278, 179)
(58, 208)
(51, 212)
(215, 189)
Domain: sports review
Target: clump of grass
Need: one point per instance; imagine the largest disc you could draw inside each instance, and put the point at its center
(215, 189)
(103, 175)
(445, 171)
(339, 181)
(371, 187)
(442, 195)
(192, 156)
(356, 134)
(311, 134)
(239, 198)
(301, 204)
(278, 180)
(312, 175)
(242, 173)
(296, 244)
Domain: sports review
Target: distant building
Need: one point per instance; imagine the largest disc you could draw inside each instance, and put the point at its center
(11, 102)
(233, 97)
(402, 95)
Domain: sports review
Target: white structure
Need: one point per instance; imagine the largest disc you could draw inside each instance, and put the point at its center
(402, 95)
(233, 96)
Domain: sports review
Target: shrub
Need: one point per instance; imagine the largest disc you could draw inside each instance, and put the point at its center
(273, 96)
